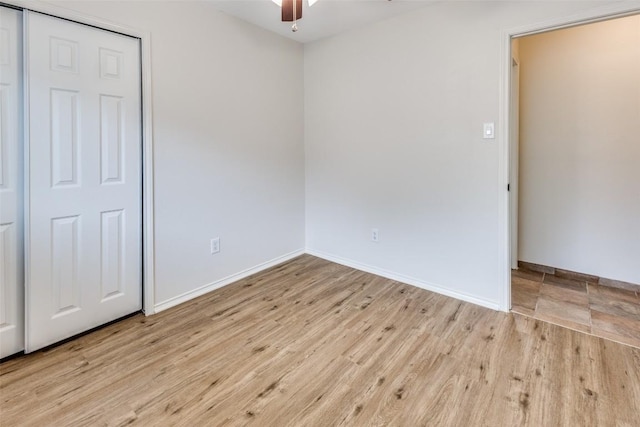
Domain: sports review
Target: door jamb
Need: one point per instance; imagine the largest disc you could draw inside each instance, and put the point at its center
(507, 35)
(148, 229)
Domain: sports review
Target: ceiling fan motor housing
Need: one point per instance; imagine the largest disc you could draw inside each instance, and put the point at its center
(288, 7)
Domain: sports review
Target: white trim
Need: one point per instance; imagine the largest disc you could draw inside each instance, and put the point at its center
(405, 279)
(148, 205)
(148, 228)
(26, 182)
(504, 235)
(603, 13)
(617, 10)
(187, 296)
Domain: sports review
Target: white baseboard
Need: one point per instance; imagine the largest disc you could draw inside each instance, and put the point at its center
(406, 279)
(172, 302)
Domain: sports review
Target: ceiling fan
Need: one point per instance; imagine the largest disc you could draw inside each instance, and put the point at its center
(292, 11)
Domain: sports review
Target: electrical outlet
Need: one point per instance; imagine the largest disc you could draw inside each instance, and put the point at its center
(374, 235)
(215, 245)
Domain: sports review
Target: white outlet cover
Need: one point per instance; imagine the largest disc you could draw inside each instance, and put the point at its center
(215, 245)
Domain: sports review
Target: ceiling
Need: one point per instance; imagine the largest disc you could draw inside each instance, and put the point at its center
(324, 19)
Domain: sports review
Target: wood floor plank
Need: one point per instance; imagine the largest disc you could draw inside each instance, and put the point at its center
(312, 343)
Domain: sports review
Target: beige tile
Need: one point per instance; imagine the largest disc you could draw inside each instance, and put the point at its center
(619, 309)
(526, 284)
(527, 274)
(614, 302)
(575, 285)
(524, 293)
(614, 293)
(564, 313)
(610, 326)
(602, 311)
(564, 295)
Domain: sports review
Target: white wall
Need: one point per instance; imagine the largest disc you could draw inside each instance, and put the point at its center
(580, 149)
(393, 136)
(393, 119)
(228, 138)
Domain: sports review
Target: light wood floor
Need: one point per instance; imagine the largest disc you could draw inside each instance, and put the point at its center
(311, 343)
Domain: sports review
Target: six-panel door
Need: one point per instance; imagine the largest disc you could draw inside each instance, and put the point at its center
(84, 218)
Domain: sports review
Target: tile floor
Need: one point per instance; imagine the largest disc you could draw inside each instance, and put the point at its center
(580, 305)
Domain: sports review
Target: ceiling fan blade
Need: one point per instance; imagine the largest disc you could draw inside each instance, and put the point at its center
(287, 10)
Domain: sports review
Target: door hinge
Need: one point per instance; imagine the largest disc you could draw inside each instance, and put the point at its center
(508, 187)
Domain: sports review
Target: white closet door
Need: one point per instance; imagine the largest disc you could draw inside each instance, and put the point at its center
(11, 199)
(84, 222)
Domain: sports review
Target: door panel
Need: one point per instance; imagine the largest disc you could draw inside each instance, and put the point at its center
(11, 183)
(84, 223)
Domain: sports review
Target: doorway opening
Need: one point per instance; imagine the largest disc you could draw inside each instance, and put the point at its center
(573, 131)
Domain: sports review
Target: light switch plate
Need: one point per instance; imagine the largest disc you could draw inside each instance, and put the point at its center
(488, 131)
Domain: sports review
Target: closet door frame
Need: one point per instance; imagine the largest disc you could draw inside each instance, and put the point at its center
(148, 265)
